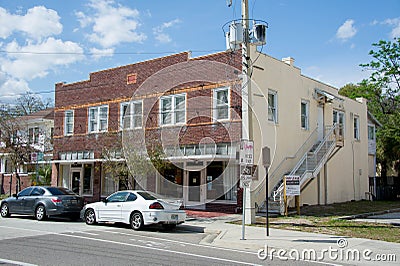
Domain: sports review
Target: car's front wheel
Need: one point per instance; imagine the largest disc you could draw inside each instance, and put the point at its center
(136, 221)
(90, 217)
(5, 210)
(40, 213)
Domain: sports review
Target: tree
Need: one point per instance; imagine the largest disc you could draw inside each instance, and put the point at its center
(29, 103)
(14, 141)
(382, 89)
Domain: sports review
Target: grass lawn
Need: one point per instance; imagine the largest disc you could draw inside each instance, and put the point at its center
(325, 219)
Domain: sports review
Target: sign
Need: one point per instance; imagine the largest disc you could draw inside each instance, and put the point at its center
(246, 172)
(292, 185)
(246, 152)
(34, 157)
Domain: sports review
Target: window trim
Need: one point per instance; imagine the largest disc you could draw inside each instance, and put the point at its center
(215, 103)
(275, 106)
(172, 111)
(307, 115)
(131, 114)
(371, 126)
(98, 119)
(66, 133)
(343, 126)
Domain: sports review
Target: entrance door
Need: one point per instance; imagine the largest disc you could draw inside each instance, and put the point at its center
(194, 189)
(76, 181)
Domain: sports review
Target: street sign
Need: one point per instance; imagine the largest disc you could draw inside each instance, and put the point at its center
(246, 172)
(292, 185)
(246, 152)
(34, 157)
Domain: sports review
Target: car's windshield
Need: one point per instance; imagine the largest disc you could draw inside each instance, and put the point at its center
(60, 191)
(146, 195)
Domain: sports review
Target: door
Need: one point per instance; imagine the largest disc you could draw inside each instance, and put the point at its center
(17, 205)
(320, 123)
(194, 189)
(76, 181)
(31, 200)
(111, 209)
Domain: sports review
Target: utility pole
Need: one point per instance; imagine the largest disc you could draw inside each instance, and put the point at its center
(247, 114)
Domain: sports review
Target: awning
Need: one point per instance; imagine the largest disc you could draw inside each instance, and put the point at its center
(319, 94)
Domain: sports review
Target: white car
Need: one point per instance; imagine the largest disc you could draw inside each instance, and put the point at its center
(134, 207)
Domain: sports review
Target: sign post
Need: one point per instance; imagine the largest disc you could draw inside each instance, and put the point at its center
(266, 163)
(246, 161)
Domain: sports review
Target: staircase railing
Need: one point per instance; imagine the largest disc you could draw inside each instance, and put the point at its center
(316, 158)
(284, 166)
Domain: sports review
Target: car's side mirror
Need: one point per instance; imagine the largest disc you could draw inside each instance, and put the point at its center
(15, 195)
(104, 200)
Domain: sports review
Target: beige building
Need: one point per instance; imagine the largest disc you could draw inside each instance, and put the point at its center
(312, 132)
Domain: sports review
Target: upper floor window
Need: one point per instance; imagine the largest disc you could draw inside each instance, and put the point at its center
(69, 122)
(371, 132)
(272, 106)
(356, 127)
(221, 104)
(304, 115)
(338, 118)
(33, 135)
(173, 109)
(131, 115)
(98, 119)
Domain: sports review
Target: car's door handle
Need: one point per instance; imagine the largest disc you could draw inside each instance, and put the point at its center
(118, 205)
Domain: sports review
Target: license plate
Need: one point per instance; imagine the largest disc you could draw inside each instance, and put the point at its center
(174, 216)
(74, 201)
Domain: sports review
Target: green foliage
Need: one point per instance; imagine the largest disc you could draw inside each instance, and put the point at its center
(44, 176)
(382, 89)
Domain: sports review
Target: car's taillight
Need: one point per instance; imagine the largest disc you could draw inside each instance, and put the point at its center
(156, 205)
(56, 200)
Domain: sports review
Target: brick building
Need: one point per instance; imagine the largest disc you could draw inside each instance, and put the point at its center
(189, 107)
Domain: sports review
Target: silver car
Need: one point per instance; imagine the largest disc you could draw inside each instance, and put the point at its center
(42, 202)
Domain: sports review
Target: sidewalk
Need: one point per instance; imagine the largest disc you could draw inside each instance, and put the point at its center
(327, 248)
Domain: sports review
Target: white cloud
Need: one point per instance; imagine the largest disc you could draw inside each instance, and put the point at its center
(395, 22)
(99, 53)
(346, 31)
(35, 60)
(11, 88)
(111, 24)
(37, 23)
(159, 33)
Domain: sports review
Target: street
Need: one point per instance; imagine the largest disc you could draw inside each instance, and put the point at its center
(25, 241)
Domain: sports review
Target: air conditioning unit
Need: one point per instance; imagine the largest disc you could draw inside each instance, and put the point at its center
(236, 32)
(259, 34)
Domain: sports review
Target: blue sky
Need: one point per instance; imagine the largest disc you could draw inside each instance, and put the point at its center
(45, 42)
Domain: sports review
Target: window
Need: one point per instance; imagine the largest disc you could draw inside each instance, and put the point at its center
(87, 179)
(272, 106)
(304, 115)
(69, 123)
(371, 132)
(338, 118)
(221, 103)
(131, 115)
(34, 135)
(356, 127)
(173, 109)
(98, 119)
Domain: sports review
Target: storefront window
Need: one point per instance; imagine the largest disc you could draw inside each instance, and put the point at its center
(87, 179)
(221, 181)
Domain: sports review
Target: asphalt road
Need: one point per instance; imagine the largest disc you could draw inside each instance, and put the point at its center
(25, 241)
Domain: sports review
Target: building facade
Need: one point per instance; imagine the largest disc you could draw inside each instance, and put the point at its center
(189, 110)
(35, 132)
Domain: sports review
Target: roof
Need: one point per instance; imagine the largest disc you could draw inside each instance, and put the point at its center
(47, 114)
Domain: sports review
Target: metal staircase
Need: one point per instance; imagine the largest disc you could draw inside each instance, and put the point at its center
(308, 166)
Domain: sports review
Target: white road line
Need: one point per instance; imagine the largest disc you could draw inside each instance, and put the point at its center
(16, 262)
(183, 243)
(163, 250)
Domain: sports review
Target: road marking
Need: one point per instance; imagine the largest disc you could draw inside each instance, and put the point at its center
(16, 262)
(159, 249)
(183, 243)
